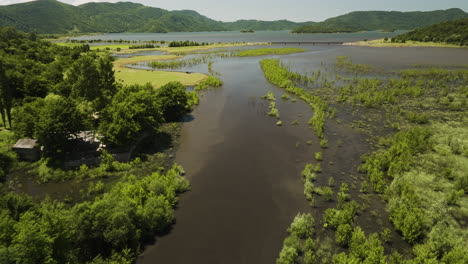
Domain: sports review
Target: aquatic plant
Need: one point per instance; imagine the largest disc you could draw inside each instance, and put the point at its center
(211, 81)
(279, 75)
(318, 156)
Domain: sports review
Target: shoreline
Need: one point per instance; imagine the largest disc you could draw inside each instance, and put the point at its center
(380, 43)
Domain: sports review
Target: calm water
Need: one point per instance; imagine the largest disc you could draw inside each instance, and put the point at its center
(244, 170)
(234, 36)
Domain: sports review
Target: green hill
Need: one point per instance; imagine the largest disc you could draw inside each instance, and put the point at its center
(51, 16)
(382, 20)
(453, 32)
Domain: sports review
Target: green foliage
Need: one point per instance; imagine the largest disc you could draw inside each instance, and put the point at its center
(92, 80)
(185, 43)
(318, 156)
(273, 110)
(173, 101)
(406, 215)
(326, 192)
(302, 226)
(331, 182)
(343, 194)
(211, 81)
(279, 75)
(288, 255)
(324, 143)
(398, 157)
(58, 121)
(112, 227)
(137, 109)
(308, 173)
(454, 32)
(343, 234)
(176, 64)
(335, 217)
(270, 96)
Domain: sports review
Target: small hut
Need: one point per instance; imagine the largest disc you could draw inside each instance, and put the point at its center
(27, 149)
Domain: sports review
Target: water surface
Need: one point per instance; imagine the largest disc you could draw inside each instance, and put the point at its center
(245, 170)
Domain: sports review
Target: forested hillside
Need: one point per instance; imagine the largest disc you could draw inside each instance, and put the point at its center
(382, 20)
(51, 16)
(453, 32)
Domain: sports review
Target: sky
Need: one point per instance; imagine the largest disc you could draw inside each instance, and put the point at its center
(294, 10)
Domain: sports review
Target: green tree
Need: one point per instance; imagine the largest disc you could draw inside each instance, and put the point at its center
(31, 244)
(26, 117)
(58, 121)
(174, 101)
(134, 110)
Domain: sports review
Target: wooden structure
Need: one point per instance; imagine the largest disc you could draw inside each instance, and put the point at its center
(27, 149)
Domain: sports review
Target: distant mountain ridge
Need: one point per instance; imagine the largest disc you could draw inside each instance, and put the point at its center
(51, 16)
(382, 20)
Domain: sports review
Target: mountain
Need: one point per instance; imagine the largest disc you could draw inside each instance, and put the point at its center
(51, 16)
(382, 20)
(453, 32)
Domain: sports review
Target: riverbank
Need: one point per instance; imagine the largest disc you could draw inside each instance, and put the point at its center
(381, 43)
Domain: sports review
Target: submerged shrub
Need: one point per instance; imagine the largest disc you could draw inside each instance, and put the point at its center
(302, 226)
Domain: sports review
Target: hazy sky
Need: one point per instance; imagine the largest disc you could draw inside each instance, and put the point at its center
(295, 10)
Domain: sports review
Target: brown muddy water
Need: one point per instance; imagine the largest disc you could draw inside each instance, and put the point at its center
(245, 170)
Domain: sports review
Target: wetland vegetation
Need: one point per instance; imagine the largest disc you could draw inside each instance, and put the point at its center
(419, 169)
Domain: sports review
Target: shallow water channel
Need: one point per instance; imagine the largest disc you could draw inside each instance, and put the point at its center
(245, 170)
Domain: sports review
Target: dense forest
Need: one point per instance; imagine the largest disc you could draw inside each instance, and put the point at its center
(52, 93)
(381, 20)
(57, 17)
(453, 32)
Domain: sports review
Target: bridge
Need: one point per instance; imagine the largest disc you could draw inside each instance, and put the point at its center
(306, 43)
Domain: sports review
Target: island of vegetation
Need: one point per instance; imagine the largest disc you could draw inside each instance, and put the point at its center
(247, 31)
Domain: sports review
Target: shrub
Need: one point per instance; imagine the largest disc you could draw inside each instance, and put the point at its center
(302, 226)
(343, 234)
(324, 143)
(318, 156)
